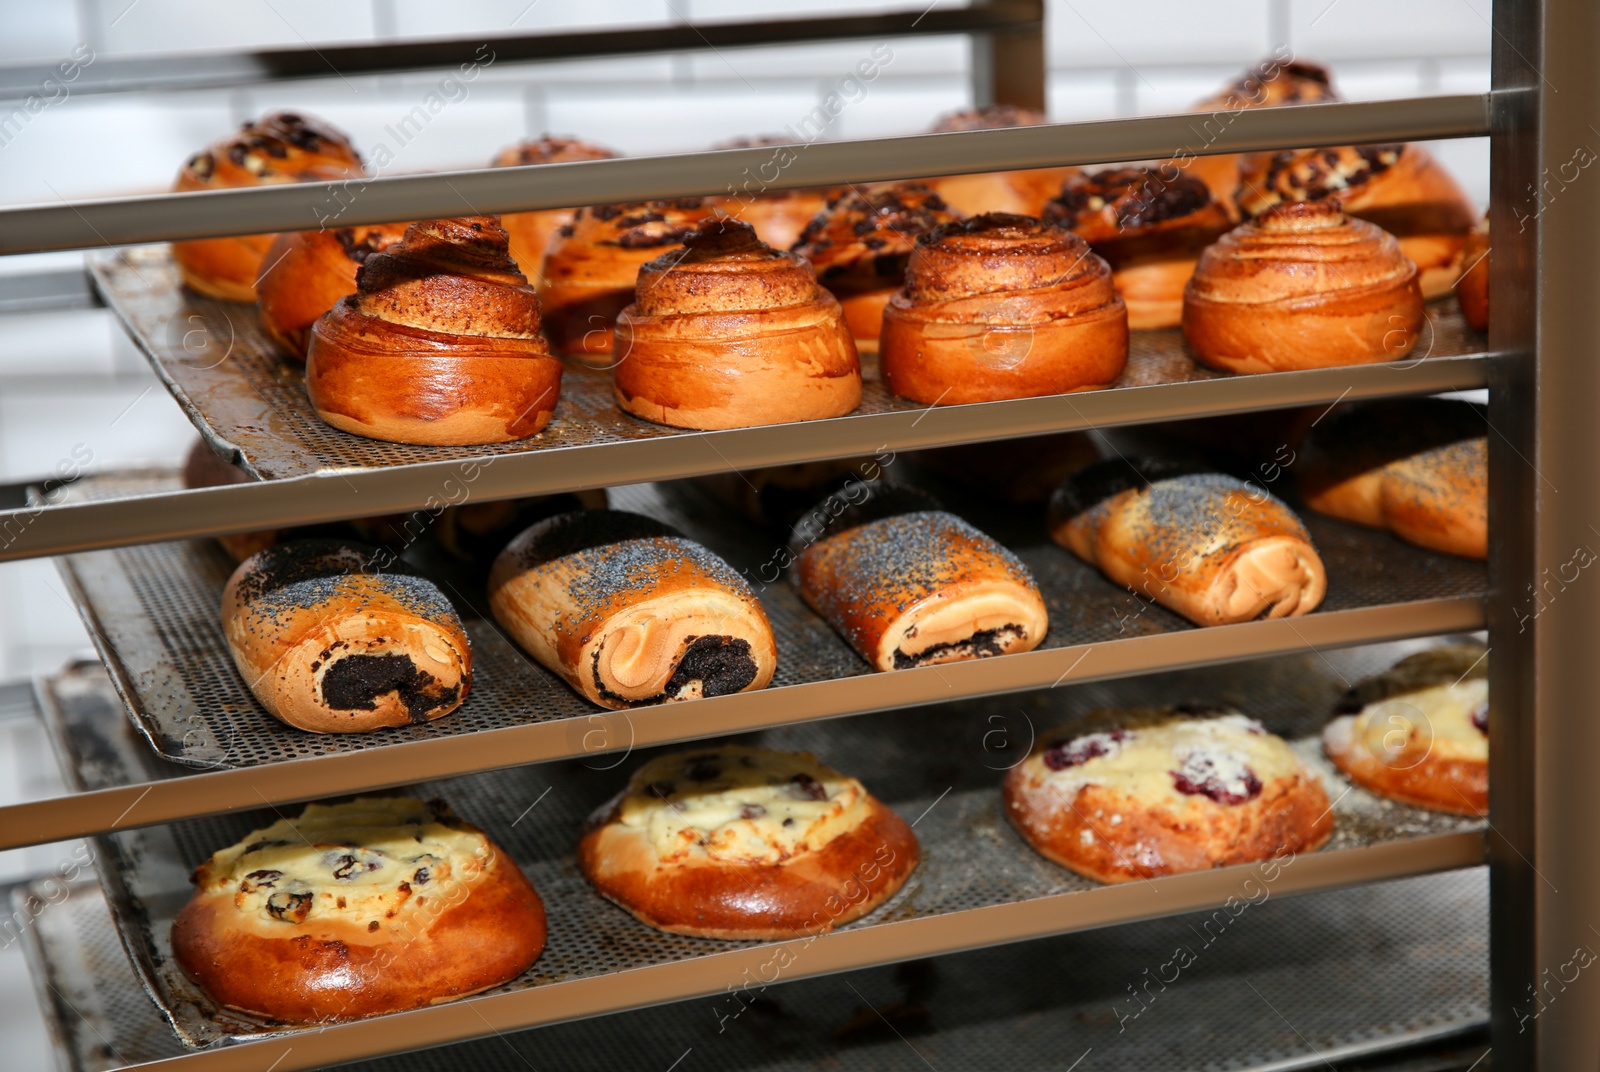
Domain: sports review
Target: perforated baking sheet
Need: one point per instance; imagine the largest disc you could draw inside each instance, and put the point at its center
(939, 767)
(153, 613)
(251, 404)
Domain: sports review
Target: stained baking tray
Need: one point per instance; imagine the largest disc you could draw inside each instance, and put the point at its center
(1354, 974)
(939, 767)
(153, 613)
(251, 405)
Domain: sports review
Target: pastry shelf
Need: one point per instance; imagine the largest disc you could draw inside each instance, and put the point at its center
(153, 613)
(1393, 974)
(978, 883)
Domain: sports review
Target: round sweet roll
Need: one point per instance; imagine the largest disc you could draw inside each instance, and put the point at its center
(1419, 732)
(729, 333)
(1150, 225)
(331, 643)
(860, 246)
(439, 345)
(1021, 193)
(1472, 289)
(1401, 188)
(531, 232)
(1302, 286)
(592, 264)
(908, 585)
(1124, 794)
(630, 613)
(305, 273)
(370, 906)
(779, 216)
(1002, 306)
(279, 147)
(739, 842)
(1269, 84)
(1210, 547)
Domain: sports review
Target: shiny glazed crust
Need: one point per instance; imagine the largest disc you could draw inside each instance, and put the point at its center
(1270, 83)
(728, 333)
(1472, 290)
(440, 345)
(305, 273)
(999, 307)
(591, 266)
(531, 232)
(1302, 286)
(329, 644)
(277, 148)
(1210, 547)
(630, 613)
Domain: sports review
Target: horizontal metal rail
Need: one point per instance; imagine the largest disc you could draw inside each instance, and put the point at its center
(36, 292)
(161, 217)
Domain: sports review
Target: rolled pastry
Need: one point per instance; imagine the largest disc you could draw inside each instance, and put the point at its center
(305, 273)
(531, 232)
(1020, 192)
(1210, 547)
(629, 612)
(329, 643)
(909, 586)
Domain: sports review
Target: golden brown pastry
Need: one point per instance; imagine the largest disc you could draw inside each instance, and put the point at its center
(330, 643)
(729, 841)
(629, 612)
(531, 231)
(368, 906)
(1419, 731)
(779, 216)
(441, 344)
(1138, 793)
(999, 307)
(1021, 193)
(277, 148)
(729, 333)
(1472, 289)
(1401, 188)
(860, 245)
(1302, 286)
(1149, 227)
(909, 586)
(592, 264)
(305, 273)
(992, 468)
(1418, 467)
(1210, 547)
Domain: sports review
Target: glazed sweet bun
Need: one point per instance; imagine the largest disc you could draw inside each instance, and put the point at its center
(1472, 289)
(440, 344)
(630, 613)
(1002, 306)
(1418, 467)
(1302, 286)
(279, 147)
(779, 216)
(1022, 193)
(729, 333)
(332, 641)
(592, 264)
(1143, 792)
(1269, 84)
(1400, 188)
(737, 842)
(860, 246)
(368, 906)
(1419, 732)
(1150, 226)
(305, 273)
(531, 232)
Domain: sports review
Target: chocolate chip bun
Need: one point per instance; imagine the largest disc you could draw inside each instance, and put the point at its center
(531, 232)
(305, 273)
(1020, 192)
(1419, 731)
(737, 842)
(1139, 793)
(779, 216)
(369, 906)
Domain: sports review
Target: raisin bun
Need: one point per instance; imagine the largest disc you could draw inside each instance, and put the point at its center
(779, 216)
(369, 906)
(279, 147)
(740, 842)
(1144, 792)
(1419, 731)
(1021, 192)
(1269, 84)
(531, 231)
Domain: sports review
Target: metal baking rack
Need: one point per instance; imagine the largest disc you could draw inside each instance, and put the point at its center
(1544, 457)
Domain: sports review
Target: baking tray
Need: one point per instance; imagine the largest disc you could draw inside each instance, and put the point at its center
(250, 404)
(1357, 973)
(153, 613)
(939, 767)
